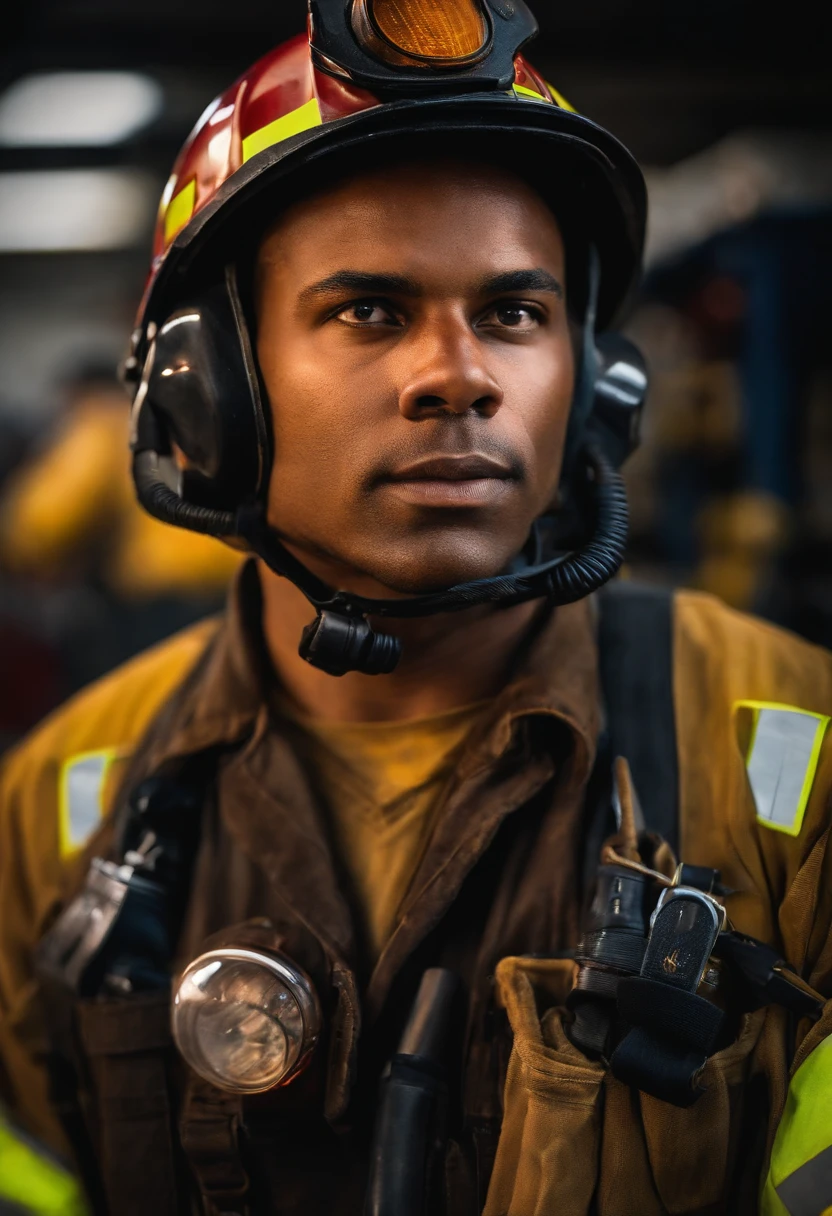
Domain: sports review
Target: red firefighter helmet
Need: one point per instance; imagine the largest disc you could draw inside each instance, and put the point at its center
(349, 82)
(377, 75)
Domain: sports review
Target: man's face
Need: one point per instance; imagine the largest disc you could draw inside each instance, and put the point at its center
(414, 344)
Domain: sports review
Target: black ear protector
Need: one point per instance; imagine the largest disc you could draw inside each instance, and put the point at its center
(200, 393)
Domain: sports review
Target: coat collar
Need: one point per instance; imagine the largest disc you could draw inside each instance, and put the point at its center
(228, 696)
(546, 719)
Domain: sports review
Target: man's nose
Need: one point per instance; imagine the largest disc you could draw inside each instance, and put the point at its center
(448, 374)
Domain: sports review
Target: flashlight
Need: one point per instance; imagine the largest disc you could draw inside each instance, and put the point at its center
(245, 1020)
(612, 946)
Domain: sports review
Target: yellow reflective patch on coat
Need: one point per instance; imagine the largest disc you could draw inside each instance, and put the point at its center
(799, 1181)
(781, 761)
(32, 1182)
(80, 797)
(302, 119)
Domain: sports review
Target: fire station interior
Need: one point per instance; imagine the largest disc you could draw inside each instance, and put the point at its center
(728, 109)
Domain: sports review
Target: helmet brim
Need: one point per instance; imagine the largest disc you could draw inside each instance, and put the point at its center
(572, 161)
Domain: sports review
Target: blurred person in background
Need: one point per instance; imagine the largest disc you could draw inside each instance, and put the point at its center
(741, 253)
(758, 301)
(34, 676)
(69, 518)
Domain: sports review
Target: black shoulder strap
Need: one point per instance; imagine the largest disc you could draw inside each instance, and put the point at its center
(635, 638)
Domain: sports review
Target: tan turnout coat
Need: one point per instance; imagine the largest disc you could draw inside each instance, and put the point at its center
(499, 881)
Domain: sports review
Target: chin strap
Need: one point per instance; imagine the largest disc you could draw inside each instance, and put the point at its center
(340, 639)
(587, 372)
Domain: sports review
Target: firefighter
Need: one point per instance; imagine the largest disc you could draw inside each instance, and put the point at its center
(351, 901)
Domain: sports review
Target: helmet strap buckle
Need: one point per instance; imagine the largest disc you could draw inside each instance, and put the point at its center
(337, 644)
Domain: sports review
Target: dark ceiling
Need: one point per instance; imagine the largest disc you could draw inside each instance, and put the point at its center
(668, 77)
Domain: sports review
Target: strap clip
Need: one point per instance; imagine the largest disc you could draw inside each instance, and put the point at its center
(768, 978)
(673, 1030)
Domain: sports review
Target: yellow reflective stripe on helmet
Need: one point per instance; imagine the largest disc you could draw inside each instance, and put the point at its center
(80, 791)
(560, 99)
(179, 210)
(522, 91)
(782, 761)
(33, 1181)
(302, 119)
(799, 1179)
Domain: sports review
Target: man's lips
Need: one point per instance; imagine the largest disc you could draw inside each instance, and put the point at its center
(451, 468)
(451, 481)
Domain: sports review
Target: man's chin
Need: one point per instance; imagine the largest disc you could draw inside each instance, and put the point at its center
(393, 570)
(409, 579)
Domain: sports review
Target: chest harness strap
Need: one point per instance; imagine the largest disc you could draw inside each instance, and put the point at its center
(642, 959)
(105, 968)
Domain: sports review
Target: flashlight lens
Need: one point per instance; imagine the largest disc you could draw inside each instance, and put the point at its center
(239, 1022)
(432, 29)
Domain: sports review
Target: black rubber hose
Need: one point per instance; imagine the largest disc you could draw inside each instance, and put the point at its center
(594, 565)
(410, 1133)
(163, 503)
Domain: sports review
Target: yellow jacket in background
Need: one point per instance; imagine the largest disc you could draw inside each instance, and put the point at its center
(75, 503)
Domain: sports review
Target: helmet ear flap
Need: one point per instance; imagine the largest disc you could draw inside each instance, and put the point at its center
(621, 383)
(610, 389)
(201, 390)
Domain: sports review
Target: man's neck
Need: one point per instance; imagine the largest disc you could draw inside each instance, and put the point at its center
(449, 660)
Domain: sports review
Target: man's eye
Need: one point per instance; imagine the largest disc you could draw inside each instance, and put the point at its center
(514, 316)
(366, 312)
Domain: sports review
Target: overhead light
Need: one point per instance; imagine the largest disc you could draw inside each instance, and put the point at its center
(732, 181)
(72, 209)
(77, 109)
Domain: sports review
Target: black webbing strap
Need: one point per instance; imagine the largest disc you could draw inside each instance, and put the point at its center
(635, 639)
(128, 1049)
(209, 1131)
(671, 1035)
(117, 1053)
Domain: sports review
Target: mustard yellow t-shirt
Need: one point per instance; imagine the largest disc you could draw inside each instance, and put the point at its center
(382, 783)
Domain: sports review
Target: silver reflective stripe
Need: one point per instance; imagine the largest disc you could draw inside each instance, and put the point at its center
(808, 1191)
(782, 762)
(83, 784)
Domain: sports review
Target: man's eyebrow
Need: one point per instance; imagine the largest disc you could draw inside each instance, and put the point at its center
(522, 280)
(363, 283)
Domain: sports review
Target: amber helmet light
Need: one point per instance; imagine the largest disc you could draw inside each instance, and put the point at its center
(423, 34)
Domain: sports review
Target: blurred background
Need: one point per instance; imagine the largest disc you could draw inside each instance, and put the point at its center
(729, 108)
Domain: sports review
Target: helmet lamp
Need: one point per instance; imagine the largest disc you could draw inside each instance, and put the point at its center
(423, 33)
(245, 1020)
